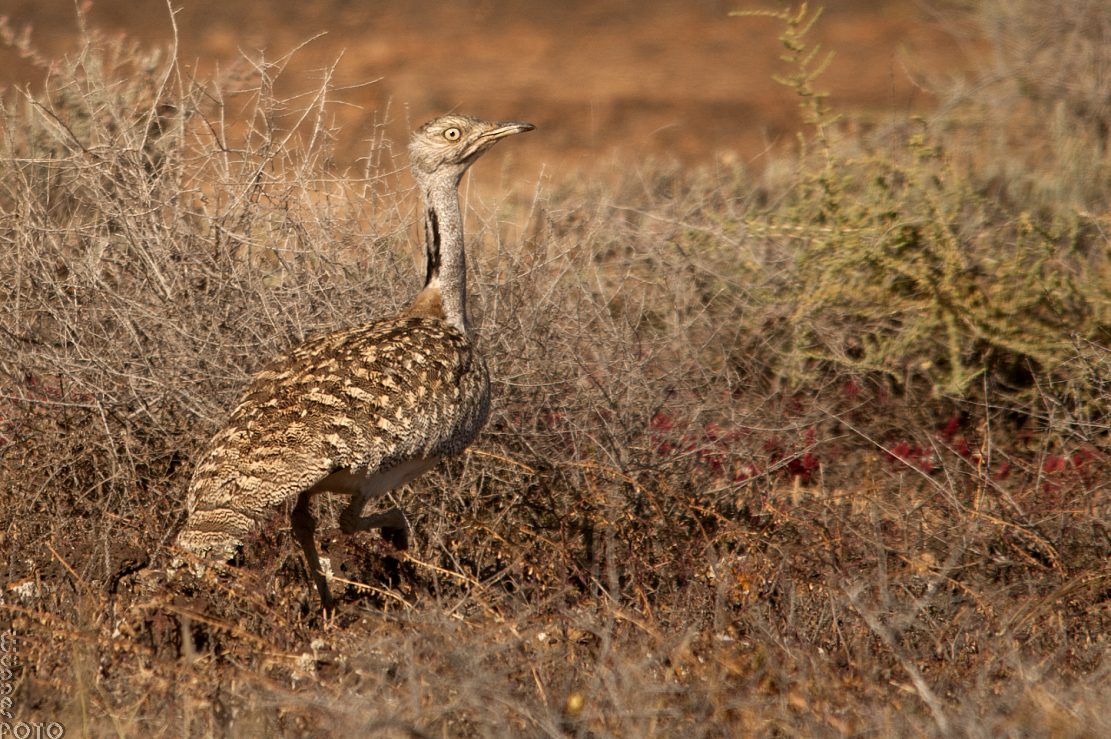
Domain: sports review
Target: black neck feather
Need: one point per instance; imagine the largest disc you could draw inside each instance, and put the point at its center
(432, 242)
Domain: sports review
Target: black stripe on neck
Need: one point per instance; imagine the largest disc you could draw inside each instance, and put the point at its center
(432, 245)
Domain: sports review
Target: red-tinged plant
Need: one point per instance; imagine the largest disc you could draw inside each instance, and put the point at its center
(952, 426)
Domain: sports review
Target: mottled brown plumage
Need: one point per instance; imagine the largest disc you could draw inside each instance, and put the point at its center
(365, 410)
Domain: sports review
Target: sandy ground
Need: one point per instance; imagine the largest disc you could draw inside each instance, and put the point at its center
(613, 79)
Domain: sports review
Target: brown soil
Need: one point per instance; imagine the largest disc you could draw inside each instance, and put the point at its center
(600, 79)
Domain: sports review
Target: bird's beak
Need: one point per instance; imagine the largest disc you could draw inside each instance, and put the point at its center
(484, 141)
(506, 129)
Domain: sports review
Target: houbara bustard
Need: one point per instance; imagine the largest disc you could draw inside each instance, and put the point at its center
(365, 410)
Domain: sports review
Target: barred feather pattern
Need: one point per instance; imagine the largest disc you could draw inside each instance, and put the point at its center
(361, 400)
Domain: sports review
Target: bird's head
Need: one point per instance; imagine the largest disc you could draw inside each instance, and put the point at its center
(446, 146)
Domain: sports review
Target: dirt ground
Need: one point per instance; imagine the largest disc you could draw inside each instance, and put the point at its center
(603, 81)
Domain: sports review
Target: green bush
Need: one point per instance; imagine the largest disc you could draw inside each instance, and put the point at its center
(901, 262)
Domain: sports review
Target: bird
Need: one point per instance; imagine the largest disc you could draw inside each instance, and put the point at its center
(365, 410)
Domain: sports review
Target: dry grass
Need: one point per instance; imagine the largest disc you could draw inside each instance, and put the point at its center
(683, 518)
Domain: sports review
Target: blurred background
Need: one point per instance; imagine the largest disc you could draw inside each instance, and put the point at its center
(605, 81)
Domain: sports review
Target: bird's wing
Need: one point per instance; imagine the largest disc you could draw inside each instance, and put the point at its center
(363, 400)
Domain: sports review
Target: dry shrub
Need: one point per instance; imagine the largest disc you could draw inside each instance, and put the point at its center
(662, 531)
(1037, 116)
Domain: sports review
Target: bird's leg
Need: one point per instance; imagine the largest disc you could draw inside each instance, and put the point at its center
(304, 530)
(393, 524)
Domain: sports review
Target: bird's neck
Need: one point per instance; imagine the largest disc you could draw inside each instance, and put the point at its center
(445, 279)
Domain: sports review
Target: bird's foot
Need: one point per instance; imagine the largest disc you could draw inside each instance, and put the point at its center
(394, 528)
(398, 538)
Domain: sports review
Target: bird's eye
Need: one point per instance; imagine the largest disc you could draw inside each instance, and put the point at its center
(452, 134)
